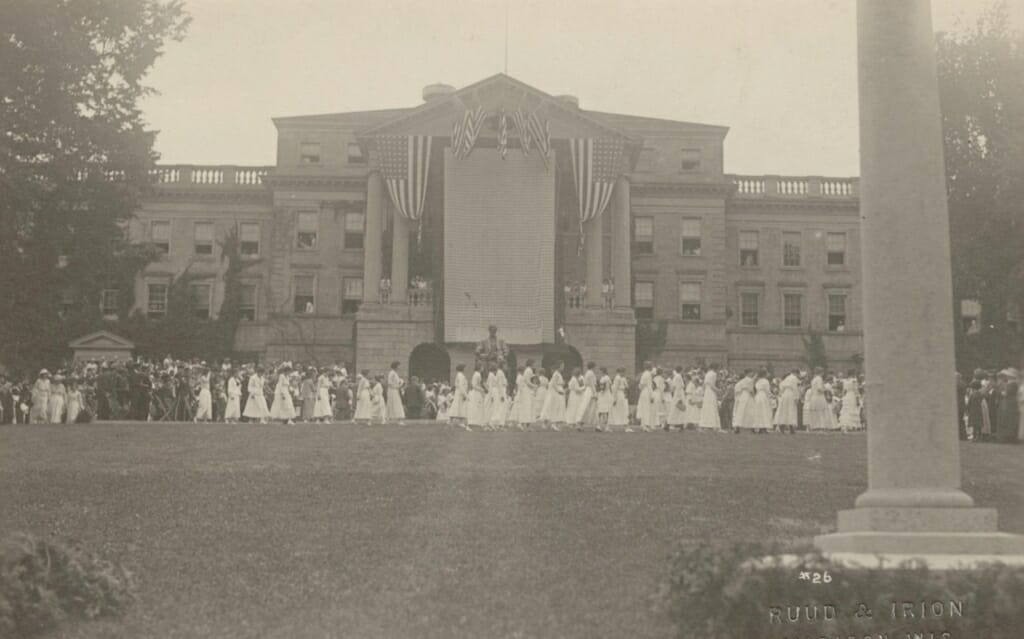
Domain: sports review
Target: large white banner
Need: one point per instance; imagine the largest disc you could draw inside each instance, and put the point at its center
(499, 248)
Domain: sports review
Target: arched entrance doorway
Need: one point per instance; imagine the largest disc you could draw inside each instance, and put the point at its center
(554, 353)
(430, 363)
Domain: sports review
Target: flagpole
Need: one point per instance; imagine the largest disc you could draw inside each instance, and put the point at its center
(506, 37)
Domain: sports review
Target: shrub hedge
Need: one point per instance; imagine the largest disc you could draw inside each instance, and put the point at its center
(43, 583)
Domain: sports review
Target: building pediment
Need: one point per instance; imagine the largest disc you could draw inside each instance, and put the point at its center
(101, 340)
(496, 94)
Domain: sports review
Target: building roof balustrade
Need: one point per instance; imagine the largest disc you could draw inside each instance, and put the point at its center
(794, 187)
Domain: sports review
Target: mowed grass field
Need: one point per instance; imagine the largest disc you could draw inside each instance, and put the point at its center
(420, 530)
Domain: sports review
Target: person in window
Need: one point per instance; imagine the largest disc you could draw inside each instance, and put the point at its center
(840, 327)
(309, 308)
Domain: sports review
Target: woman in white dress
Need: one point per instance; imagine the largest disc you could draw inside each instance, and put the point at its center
(322, 408)
(499, 399)
(232, 411)
(256, 404)
(762, 403)
(646, 411)
(283, 407)
(849, 417)
(817, 412)
(475, 408)
(677, 411)
(709, 418)
(586, 412)
(525, 412)
(40, 411)
(57, 400)
(604, 399)
(395, 408)
(743, 407)
(539, 396)
(619, 414)
(660, 390)
(378, 403)
(364, 402)
(786, 414)
(693, 400)
(572, 407)
(74, 403)
(460, 399)
(204, 404)
(554, 399)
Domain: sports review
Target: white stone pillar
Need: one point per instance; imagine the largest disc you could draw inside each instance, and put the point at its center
(372, 237)
(621, 239)
(594, 248)
(399, 257)
(913, 504)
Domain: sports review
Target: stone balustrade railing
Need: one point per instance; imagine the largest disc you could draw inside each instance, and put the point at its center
(781, 186)
(420, 296)
(209, 176)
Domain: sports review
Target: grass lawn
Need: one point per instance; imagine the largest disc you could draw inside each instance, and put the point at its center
(421, 531)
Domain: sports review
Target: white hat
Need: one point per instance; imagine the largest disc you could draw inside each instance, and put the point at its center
(44, 372)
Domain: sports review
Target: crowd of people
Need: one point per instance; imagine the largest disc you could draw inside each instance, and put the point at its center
(591, 397)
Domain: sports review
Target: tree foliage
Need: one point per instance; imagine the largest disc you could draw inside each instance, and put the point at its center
(75, 158)
(981, 88)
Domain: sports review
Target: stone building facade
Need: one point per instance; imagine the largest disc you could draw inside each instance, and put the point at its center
(726, 268)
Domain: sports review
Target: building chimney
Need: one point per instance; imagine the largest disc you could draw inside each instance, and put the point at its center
(436, 91)
(569, 100)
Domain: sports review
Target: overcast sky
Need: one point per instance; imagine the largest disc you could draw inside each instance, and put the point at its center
(780, 73)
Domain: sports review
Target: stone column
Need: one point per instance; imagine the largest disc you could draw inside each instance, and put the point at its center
(621, 239)
(594, 247)
(914, 504)
(399, 257)
(372, 237)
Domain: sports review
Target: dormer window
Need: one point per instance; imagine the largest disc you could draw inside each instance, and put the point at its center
(690, 160)
(355, 154)
(309, 153)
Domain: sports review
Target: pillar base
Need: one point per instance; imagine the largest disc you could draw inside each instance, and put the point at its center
(895, 532)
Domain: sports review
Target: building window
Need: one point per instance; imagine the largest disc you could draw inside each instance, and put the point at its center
(156, 301)
(643, 300)
(689, 245)
(836, 312)
(689, 300)
(749, 249)
(247, 302)
(792, 310)
(199, 299)
(643, 235)
(351, 295)
(355, 227)
(203, 233)
(109, 303)
(309, 153)
(835, 245)
(305, 235)
(249, 239)
(160, 235)
(970, 316)
(67, 301)
(792, 243)
(690, 160)
(355, 154)
(305, 294)
(749, 309)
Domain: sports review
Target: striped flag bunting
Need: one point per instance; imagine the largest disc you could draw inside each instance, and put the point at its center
(503, 135)
(596, 164)
(405, 165)
(466, 130)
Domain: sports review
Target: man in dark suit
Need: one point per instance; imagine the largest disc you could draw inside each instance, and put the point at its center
(414, 398)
